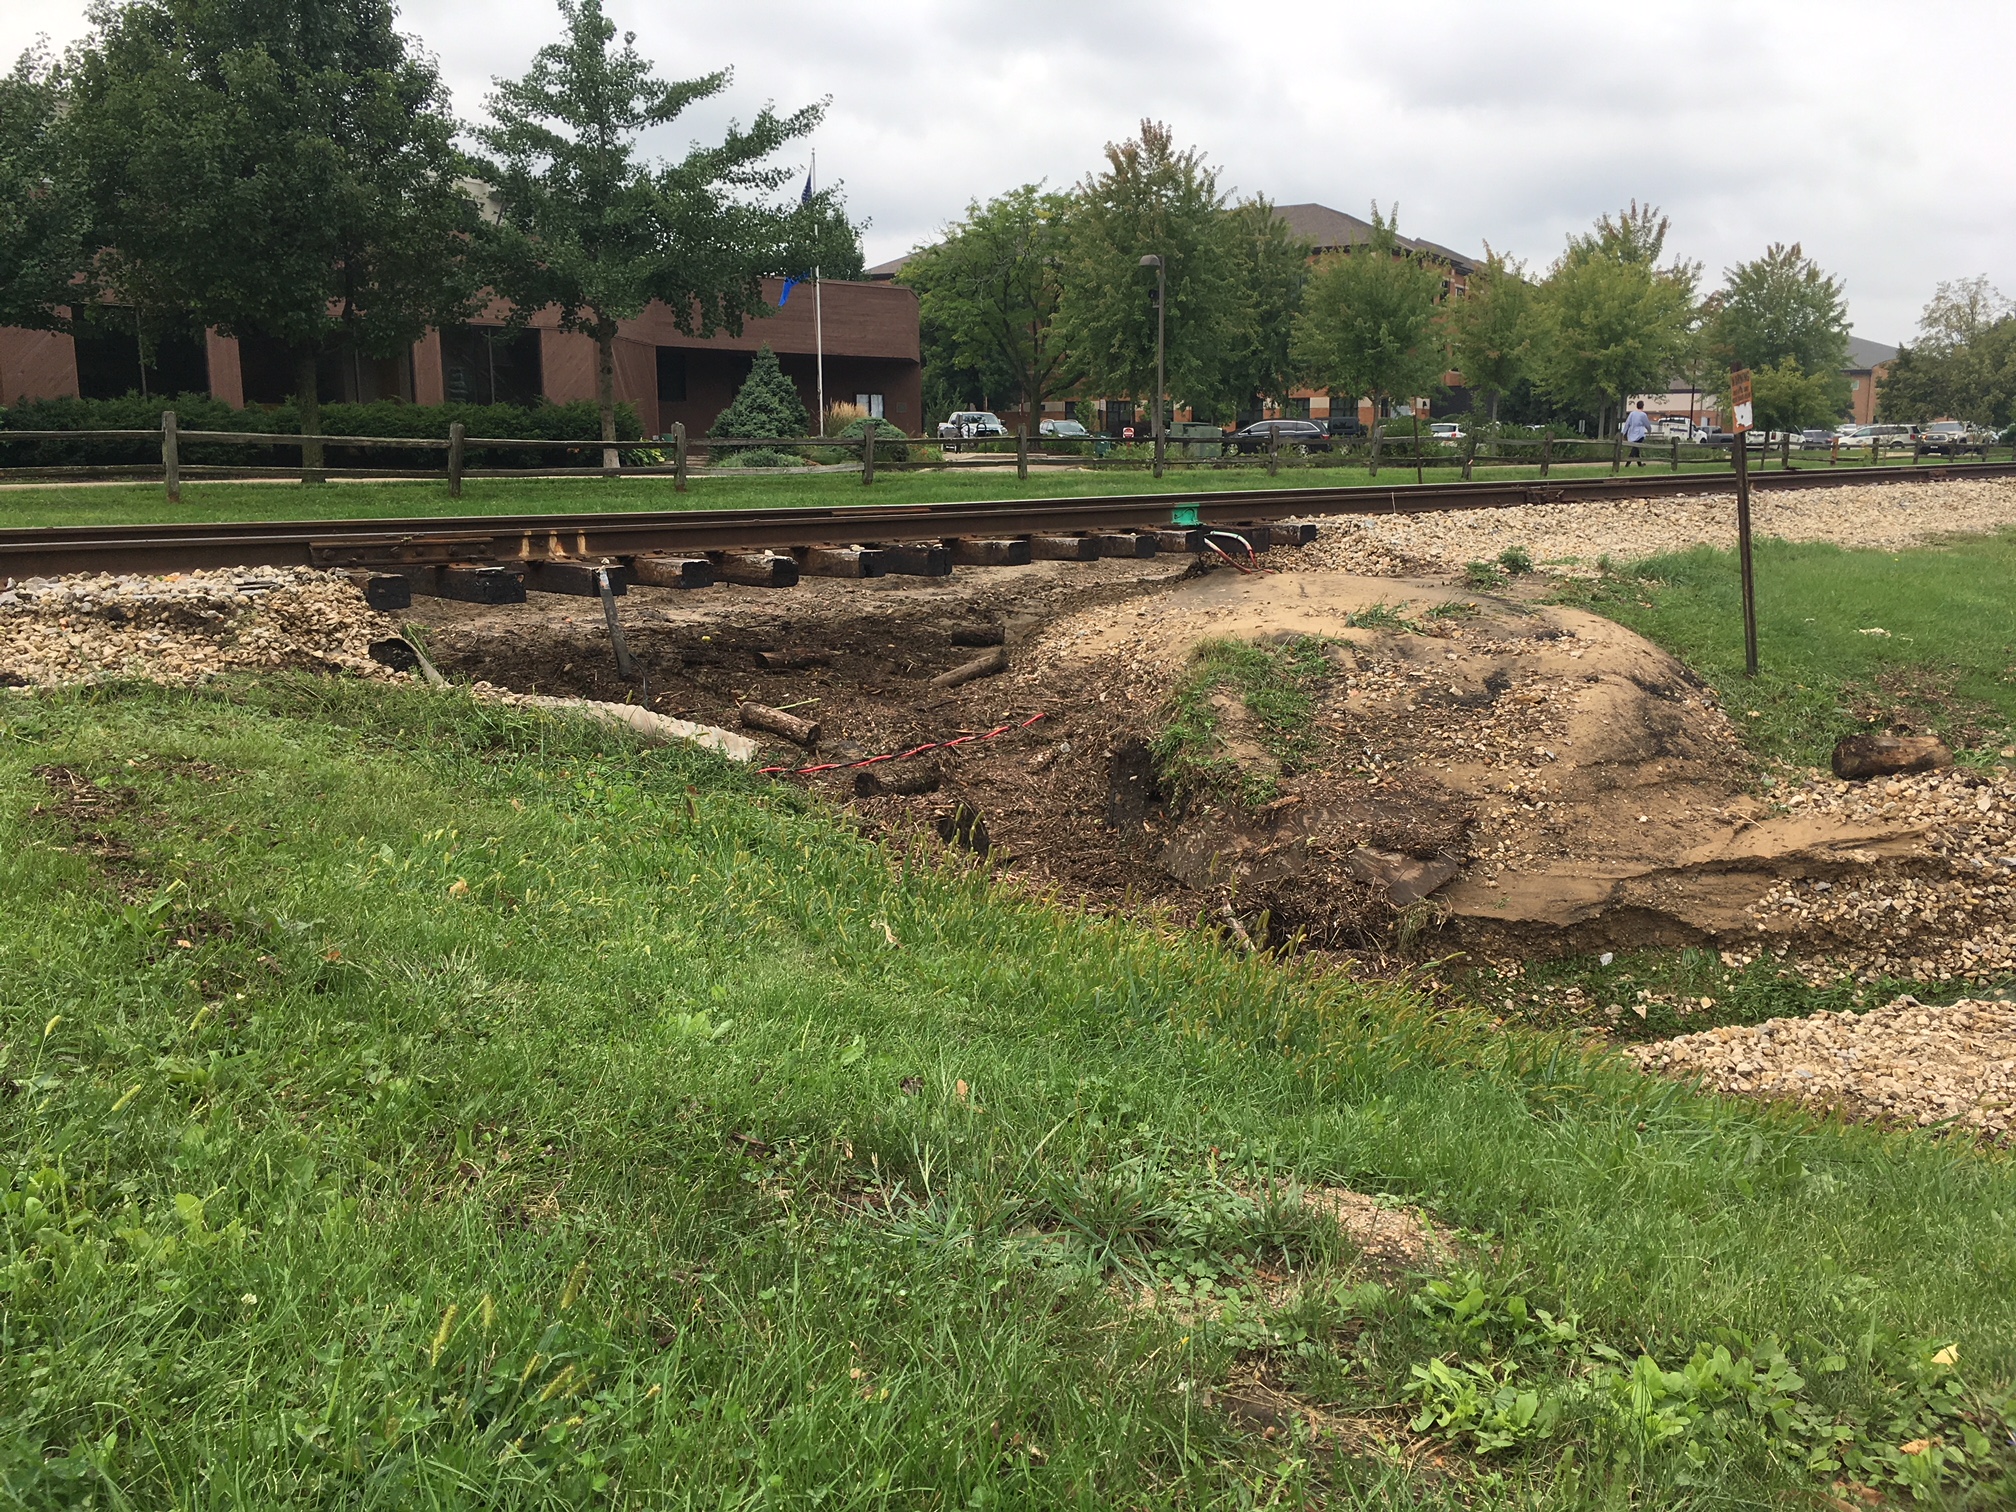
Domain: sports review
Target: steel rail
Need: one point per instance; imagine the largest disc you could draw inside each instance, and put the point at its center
(47, 551)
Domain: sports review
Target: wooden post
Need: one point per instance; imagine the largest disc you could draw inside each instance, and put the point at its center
(1834, 452)
(1273, 451)
(1617, 451)
(1915, 445)
(1785, 451)
(1676, 454)
(1420, 442)
(868, 453)
(1378, 436)
(456, 431)
(1546, 451)
(1022, 452)
(1742, 451)
(1470, 452)
(678, 456)
(171, 458)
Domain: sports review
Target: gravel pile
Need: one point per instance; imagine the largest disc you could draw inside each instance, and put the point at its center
(1902, 1062)
(1569, 539)
(185, 627)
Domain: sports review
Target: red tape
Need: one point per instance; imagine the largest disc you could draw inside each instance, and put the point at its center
(936, 745)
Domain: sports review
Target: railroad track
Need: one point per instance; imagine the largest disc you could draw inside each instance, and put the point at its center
(495, 558)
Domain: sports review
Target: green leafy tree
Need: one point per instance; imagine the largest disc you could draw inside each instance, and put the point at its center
(1370, 322)
(1151, 198)
(766, 405)
(1609, 321)
(1271, 266)
(585, 228)
(1781, 309)
(988, 296)
(44, 218)
(286, 171)
(1963, 365)
(1786, 397)
(1491, 329)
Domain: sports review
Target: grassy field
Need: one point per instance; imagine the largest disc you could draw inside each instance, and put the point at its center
(413, 1104)
(1847, 639)
(135, 503)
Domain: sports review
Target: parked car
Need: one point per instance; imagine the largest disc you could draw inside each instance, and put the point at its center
(1679, 428)
(1950, 438)
(1306, 434)
(1448, 432)
(1816, 439)
(1064, 430)
(971, 425)
(1865, 436)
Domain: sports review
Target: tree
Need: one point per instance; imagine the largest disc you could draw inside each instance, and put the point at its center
(988, 295)
(1781, 309)
(1271, 266)
(1151, 198)
(1370, 320)
(44, 221)
(585, 228)
(767, 404)
(1491, 328)
(1786, 397)
(1610, 322)
(1963, 365)
(286, 171)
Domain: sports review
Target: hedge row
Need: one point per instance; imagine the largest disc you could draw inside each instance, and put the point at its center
(578, 421)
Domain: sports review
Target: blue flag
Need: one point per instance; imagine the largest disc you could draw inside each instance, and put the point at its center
(804, 198)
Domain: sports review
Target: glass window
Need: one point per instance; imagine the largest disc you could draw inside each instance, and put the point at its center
(116, 356)
(671, 375)
(871, 403)
(490, 365)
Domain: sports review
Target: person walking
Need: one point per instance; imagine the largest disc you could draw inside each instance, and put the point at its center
(1637, 426)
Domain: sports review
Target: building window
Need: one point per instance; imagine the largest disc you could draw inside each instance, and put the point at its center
(116, 357)
(871, 404)
(671, 375)
(490, 365)
(1294, 409)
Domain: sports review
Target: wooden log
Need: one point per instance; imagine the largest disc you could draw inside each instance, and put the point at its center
(383, 591)
(1291, 536)
(995, 634)
(918, 558)
(1053, 548)
(898, 779)
(673, 571)
(841, 561)
(755, 569)
(804, 732)
(968, 551)
(457, 433)
(1125, 543)
(1180, 542)
(792, 661)
(1857, 757)
(985, 665)
(171, 458)
(578, 578)
(471, 584)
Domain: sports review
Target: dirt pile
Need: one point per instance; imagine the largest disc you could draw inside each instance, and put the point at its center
(185, 627)
(1904, 1062)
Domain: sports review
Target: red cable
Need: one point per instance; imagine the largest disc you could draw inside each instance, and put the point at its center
(936, 745)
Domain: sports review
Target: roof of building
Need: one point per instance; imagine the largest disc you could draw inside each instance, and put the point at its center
(1869, 354)
(884, 271)
(1330, 229)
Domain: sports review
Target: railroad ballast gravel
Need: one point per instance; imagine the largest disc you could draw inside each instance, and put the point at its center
(184, 627)
(1902, 1063)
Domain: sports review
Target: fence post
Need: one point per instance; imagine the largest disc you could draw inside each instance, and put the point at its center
(1676, 454)
(1785, 451)
(1617, 451)
(1470, 453)
(171, 458)
(1546, 451)
(1915, 445)
(868, 453)
(1834, 453)
(1378, 437)
(1022, 452)
(1420, 444)
(456, 431)
(678, 456)
(1274, 451)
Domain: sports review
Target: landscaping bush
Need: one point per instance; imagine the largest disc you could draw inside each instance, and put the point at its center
(885, 432)
(388, 417)
(760, 456)
(768, 405)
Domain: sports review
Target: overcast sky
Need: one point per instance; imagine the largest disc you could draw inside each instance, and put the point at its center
(1877, 134)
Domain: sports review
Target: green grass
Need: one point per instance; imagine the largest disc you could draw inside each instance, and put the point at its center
(1947, 663)
(1273, 684)
(411, 1103)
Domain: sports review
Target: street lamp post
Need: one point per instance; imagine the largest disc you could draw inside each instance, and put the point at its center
(1161, 314)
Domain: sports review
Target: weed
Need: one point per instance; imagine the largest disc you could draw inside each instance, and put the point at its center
(1274, 687)
(1516, 560)
(1483, 575)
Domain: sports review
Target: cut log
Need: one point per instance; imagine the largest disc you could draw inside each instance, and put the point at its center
(1182, 542)
(792, 661)
(1125, 543)
(981, 666)
(578, 578)
(918, 558)
(1054, 548)
(1858, 757)
(482, 585)
(755, 569)
(673, 571)
(386, 592)
(904, 779)
(995, 634)
(970, 552)
(654, 729)
(841, 561)
(804, 732)
(1291, 535)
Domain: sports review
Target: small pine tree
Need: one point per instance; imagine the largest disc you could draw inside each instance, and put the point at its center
(768, 404)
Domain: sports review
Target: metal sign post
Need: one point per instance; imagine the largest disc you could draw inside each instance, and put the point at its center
(1740, 401)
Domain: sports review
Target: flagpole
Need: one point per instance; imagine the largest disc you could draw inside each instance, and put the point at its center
(818, 314)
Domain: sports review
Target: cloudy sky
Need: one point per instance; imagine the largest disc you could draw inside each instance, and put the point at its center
(1875, 132)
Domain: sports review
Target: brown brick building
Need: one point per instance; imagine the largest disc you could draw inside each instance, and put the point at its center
(870, 332)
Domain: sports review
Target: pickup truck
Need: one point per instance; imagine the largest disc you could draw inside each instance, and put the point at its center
(971, 425)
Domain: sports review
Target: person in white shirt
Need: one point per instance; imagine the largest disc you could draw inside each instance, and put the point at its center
(1637, 426)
